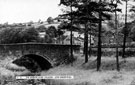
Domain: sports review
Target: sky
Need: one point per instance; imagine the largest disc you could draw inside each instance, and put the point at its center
(19, 11)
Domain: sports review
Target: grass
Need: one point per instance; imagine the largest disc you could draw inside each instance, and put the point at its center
(9, 71)
(84, 74)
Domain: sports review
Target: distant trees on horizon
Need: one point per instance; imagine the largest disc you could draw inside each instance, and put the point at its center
(25, 34)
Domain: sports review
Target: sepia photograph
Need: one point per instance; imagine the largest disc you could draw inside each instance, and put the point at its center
(67, 42)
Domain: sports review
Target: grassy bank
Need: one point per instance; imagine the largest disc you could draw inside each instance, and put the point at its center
(84, 74)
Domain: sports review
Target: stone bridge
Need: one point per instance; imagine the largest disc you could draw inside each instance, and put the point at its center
(55, 54)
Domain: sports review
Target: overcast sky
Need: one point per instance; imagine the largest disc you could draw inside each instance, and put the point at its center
(19, 11)
(26, 10)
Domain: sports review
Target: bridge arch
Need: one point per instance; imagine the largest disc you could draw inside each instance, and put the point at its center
(42, 61)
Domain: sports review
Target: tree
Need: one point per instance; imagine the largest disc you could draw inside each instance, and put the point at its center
(18, 35)
(41, 28)
(29, 34)
(69, 3)
(50, 20)
(48, 39)
(131, 25)
(80, 16)
(115, 26)
(30, 23)
(130, 30)
(51, 33)
(9, 35)
(102, 10)
(60, 33)
(125, 30)
(85, 13)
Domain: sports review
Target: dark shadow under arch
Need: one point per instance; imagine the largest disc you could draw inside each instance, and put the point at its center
(44, 63)
(40, 60)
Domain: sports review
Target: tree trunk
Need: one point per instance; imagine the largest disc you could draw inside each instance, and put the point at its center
(59, 39)
(124, 46)
(90, 45)
(71, 37)
(86, 35)
(99, 41)
(90, 40)
(125, 35)
(116, 37)
(86, 43)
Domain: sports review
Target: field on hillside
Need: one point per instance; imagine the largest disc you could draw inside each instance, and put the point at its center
(84, 74)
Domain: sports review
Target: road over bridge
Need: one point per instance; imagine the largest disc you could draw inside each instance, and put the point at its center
(54, 54)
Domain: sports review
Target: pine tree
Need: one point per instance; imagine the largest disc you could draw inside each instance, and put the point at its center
(116, 31)
(125, 30)
(87, 12)
(81, 16)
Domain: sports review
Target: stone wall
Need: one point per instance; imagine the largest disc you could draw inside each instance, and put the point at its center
(54, 53)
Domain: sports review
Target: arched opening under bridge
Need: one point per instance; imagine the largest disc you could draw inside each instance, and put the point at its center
(33, 62)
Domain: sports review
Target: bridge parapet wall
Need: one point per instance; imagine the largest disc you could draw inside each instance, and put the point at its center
(54, 53)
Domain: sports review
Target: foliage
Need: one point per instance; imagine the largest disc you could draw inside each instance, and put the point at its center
(9, 35)
(29, 35)
(60, 32)
(41, 28)
(18, 35)
(131, 30)
(86, 12)
(131, 25)
(67, 26)
(50, 20)
(51, 31)
(48, 39)
(53, 34)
